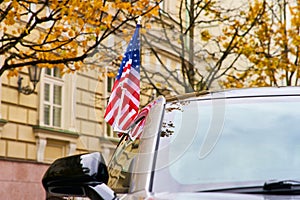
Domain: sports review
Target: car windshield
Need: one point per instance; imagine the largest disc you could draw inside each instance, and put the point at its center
(228, 142)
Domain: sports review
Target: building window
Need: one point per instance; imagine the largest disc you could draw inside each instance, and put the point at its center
(53, 97)
(110, 83)
(54, 72)
(109, 86)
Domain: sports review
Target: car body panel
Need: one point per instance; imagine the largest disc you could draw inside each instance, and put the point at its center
(206, 196)
(219, 100)
(142, 169)
(148, 163)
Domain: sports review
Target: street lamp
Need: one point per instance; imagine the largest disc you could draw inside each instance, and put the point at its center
(34, 76)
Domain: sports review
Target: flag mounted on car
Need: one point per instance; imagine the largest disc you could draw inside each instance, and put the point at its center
(137, 130)
(124, 101)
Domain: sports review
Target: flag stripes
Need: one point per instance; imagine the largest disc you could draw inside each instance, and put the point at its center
(138, 129)
(124, 101)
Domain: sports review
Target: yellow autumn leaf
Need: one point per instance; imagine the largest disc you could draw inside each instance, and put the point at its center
(143, 31)
(205, 35)
(97, 31)
(111, 75)
(12, 73)
(57, 39)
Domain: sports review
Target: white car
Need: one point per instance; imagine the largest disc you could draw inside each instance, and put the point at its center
(233, 144)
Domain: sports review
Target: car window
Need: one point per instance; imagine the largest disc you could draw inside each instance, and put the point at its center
(120, 165)
(230, 143)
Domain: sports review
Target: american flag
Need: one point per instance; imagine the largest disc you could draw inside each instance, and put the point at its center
(124, 101)
(139, 127)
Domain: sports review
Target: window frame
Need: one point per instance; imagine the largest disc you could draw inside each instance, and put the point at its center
(52, 81)
(109, 83)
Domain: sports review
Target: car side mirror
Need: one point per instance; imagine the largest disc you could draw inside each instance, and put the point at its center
(83, 175)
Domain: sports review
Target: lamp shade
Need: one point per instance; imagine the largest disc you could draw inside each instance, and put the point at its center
(34, 73)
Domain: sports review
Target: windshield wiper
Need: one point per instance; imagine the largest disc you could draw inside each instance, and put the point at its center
(282, 187)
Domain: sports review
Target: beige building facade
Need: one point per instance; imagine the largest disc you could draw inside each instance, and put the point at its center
(64, 116)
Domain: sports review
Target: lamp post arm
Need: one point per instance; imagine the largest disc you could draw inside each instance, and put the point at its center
(25, 90)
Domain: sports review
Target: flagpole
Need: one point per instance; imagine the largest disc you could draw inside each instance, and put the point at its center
(139, 20)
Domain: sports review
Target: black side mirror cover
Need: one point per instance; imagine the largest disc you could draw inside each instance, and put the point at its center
(72, 175)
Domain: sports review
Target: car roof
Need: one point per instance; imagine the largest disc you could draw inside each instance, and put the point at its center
(240, 92)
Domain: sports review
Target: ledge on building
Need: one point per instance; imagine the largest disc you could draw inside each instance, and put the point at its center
(45, 137)
(54, 133)
(111, 139)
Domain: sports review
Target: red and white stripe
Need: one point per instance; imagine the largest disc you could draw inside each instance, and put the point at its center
(128, 86)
